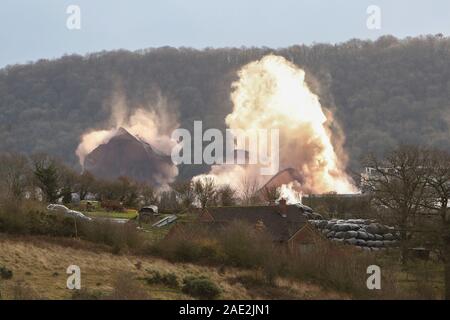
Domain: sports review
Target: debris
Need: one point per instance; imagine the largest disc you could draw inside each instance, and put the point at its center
(165, 221)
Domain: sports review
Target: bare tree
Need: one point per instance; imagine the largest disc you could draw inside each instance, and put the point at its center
(128, 190)
(147, 194)
(226, 196)
(398, 182)
(168, 201)
(249, 191)
(85, 184)
(205, 191)
(185, 193)
(439, 184)
(271, 194)
(439, 181)
(15, 174)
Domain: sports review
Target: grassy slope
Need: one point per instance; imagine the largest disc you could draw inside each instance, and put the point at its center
(113, 214)
(40, 263)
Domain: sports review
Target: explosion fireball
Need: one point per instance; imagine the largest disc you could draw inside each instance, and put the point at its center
(271, 93)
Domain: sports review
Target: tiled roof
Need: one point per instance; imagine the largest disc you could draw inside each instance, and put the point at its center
(281, 228)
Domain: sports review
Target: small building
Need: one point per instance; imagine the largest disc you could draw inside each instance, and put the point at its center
(287, 224)
(146, 213)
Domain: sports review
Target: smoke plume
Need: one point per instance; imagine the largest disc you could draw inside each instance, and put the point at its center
(272, 94)
(151, 123)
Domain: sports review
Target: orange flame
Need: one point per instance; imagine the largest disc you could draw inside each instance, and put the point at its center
(271, 93)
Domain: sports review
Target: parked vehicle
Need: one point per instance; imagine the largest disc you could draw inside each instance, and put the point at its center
(63, 210)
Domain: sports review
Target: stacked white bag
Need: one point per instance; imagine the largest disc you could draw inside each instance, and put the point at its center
(363, 233)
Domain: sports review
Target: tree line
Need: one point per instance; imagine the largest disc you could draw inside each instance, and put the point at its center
(410, 187)
(383, 93)
(48, 179)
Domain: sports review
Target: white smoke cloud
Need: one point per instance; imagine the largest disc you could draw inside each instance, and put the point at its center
(271, 93)
(152, 123)
(289, 193)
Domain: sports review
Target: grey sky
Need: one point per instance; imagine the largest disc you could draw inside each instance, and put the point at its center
(34, 29)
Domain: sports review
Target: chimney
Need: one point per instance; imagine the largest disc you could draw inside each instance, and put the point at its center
(282, 207)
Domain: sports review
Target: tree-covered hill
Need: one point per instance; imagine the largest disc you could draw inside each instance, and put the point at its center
(383, 92)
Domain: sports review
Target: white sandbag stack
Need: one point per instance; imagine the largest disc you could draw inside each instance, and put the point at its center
(362, 233)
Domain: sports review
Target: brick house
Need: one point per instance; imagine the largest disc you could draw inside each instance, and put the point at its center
(285, 223)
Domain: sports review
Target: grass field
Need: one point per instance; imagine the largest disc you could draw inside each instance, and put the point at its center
(39, 271)
(152, 233)
(39, 266)
(128, 214)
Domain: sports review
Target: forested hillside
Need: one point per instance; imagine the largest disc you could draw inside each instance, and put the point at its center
(383, 92)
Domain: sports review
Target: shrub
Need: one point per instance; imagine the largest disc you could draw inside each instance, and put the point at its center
(86, 294)
(5, 273)
(338, 267)
(193, 244)
(30, 217)
(239, 245)
(168, 279)
(201, 287)
(126, 288)
(236, 245)
(244, 246)
(13, 218)
(118, 236)
(112, 205)
(186, 251)
(21, 291)
(211, 251)
(250, 280)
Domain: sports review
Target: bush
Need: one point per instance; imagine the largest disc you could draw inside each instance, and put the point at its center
(126, 288)
(244, 246)
(85, 294)
(236, 245)
(112, 205)
(22, 291)
(187, 251)
(5, 273)
(200, 287)
(118, 236)
(240, 245)
(192, 244)
(169, 279)
(30, 217)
